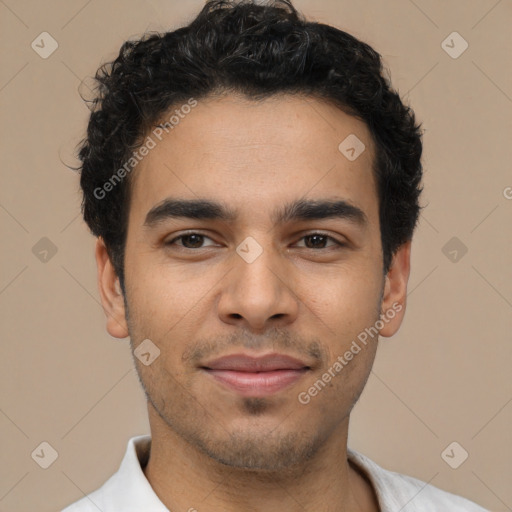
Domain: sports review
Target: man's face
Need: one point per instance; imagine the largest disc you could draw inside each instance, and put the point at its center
(284, 291)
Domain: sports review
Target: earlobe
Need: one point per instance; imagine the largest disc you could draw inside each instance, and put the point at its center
(111, 295)
(395, 291)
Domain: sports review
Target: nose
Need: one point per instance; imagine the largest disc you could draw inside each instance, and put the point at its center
(258, 295)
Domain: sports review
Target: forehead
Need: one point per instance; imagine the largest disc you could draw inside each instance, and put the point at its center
(254, 154)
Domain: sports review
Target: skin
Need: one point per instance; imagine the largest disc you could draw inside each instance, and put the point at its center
(213, 449)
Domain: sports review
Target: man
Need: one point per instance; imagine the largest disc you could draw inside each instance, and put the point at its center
(253, 182)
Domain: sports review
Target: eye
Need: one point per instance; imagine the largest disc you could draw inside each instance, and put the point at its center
(194, 240)
(318, 240)
(189, 240)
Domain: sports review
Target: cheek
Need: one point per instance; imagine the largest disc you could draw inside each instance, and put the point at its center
(161, 292)
(343, 302)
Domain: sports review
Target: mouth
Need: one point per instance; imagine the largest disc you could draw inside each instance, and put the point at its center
(256, 376)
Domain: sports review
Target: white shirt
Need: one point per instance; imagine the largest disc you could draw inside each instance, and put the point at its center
(128, 490)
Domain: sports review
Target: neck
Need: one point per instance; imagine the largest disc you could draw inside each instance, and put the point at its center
(185, 478)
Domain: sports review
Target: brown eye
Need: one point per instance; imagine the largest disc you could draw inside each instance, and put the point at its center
(189, 241)
(318, 241)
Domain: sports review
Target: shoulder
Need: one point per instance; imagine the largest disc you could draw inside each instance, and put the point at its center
(90, 503)
(126, 489)
(407, 494)
(94, 501)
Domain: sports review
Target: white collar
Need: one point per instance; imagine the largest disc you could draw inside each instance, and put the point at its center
(128, 490)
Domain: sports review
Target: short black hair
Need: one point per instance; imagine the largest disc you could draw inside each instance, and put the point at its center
(243, 47)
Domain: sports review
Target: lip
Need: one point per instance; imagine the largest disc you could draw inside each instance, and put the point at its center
(256, 376)
(248, 363)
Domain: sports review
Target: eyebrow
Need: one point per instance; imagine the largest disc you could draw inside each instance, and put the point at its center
(299, 210)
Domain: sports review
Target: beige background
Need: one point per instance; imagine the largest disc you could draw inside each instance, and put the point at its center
(444, 377)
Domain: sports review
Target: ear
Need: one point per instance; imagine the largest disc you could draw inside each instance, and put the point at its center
(395, 290)
(110, 293)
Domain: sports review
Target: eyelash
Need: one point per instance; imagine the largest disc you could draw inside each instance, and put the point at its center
(323, 235)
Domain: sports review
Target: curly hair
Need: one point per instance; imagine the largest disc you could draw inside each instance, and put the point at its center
(257, 51)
